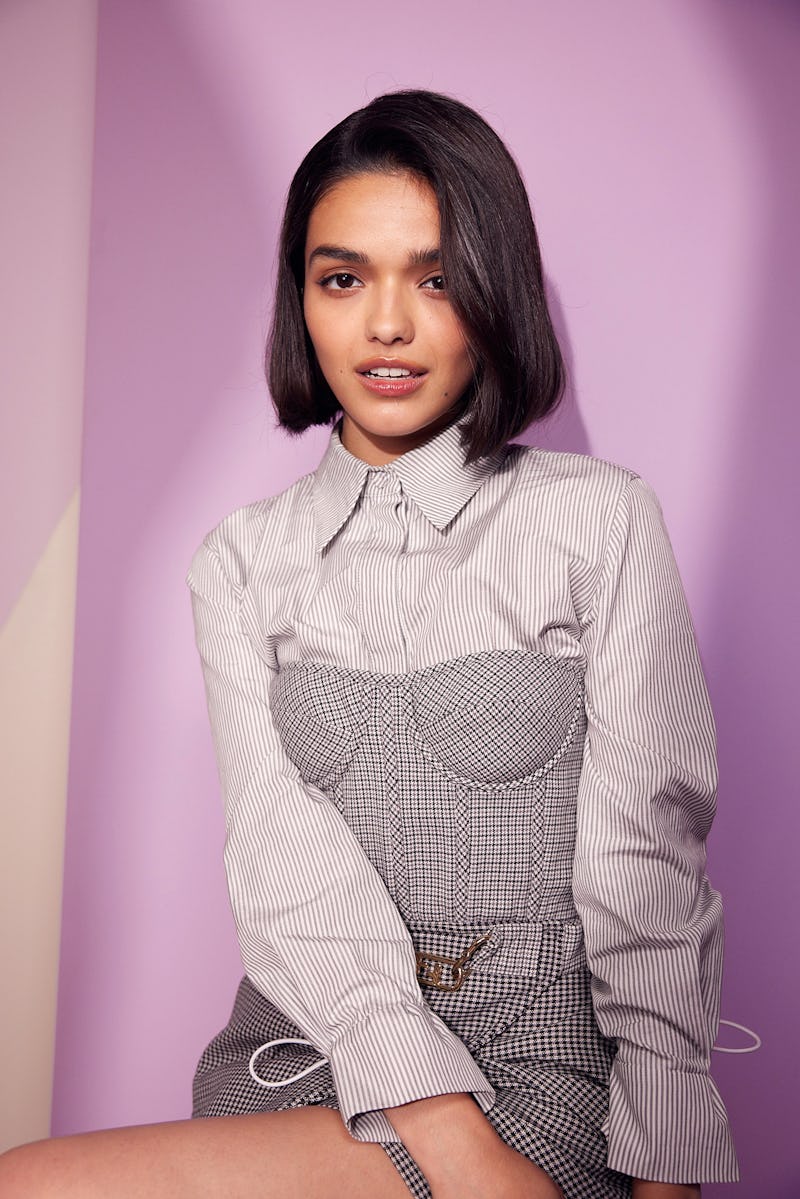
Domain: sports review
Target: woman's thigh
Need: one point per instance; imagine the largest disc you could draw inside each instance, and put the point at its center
(301, 1154)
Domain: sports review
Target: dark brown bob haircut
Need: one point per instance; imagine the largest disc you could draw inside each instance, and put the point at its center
(490, 261)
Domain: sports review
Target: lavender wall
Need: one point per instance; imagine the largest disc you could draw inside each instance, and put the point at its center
(656, 140)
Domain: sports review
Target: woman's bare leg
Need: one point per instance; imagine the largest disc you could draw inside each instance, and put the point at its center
(301, 1154)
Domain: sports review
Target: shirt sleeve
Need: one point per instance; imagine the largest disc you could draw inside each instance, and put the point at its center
(652, 923)
(318, 931)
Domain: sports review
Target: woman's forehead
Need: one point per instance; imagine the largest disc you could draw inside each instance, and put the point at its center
(376, 212)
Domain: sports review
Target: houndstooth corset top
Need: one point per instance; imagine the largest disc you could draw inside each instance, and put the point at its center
(468, 693)
(459, 781)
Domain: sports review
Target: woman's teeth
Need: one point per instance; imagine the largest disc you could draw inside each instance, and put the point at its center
(388, 372)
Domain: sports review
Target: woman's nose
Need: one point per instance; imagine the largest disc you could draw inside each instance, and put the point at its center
(389, 318)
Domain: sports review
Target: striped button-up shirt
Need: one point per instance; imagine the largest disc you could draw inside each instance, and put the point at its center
(397, 568)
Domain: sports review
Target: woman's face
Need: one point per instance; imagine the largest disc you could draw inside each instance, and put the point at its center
(385, 334)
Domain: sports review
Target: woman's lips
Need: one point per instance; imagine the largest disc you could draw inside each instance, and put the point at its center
(401, 386)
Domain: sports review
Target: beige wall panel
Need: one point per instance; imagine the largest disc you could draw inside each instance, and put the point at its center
(47, 86)
(35, 683)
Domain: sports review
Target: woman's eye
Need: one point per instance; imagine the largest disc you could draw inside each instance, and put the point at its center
(435, 284)
(341, 281)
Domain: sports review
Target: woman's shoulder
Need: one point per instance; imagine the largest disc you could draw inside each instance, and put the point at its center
(595, 484)
(586, 504)
(237, 538)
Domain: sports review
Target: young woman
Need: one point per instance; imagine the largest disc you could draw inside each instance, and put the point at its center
(463, 738)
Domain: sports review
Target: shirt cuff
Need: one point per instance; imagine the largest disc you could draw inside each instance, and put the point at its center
(667, 1125)
(395, 1056)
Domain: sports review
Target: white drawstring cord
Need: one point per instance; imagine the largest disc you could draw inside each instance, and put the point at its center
(285, 1082)
(323, 1061)
(744, 1048)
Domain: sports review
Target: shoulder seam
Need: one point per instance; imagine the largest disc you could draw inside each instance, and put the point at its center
(629, 479)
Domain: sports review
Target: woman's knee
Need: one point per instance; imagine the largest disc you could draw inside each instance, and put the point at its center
(28, 1172)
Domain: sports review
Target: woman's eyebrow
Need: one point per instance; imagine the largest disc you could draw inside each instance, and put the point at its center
(429, 257)
(340, 254)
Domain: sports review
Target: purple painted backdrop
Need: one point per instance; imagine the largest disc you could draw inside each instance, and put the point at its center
(658, 146)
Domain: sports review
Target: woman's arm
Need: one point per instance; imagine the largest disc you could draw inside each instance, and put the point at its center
(653, 925)
(318, 931)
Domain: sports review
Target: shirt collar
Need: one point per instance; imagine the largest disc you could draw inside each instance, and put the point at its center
(434, 476)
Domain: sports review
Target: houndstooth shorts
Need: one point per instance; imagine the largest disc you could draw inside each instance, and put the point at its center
(525, 1013)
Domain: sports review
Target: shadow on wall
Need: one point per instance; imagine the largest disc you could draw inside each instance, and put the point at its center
(752, 657)
(564, 430)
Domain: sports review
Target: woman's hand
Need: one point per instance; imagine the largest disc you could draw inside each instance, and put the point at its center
(462, 1156)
